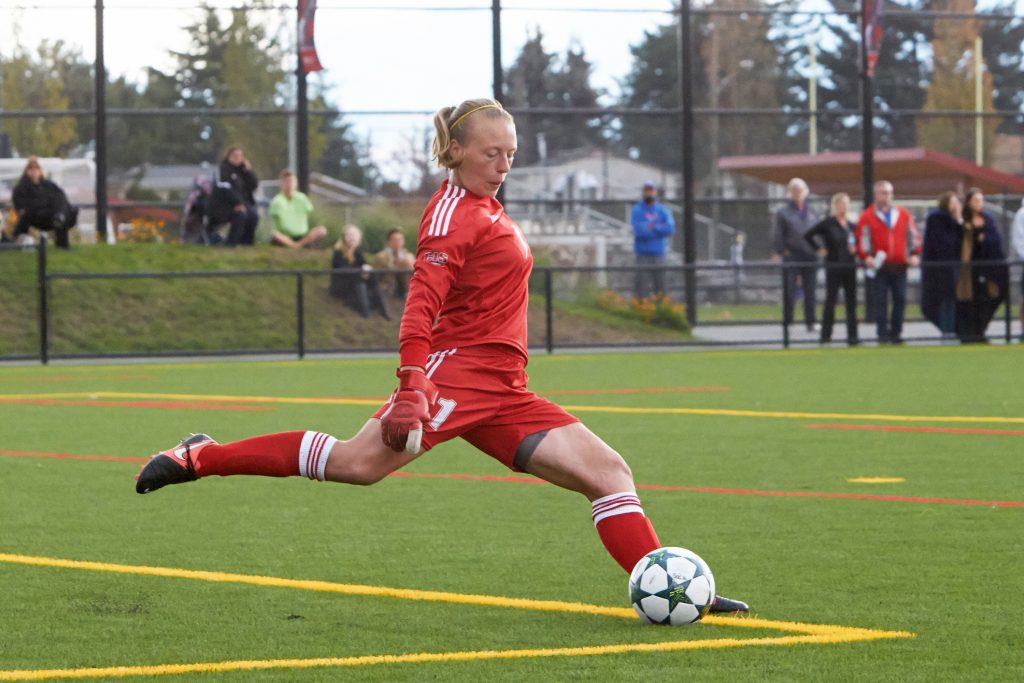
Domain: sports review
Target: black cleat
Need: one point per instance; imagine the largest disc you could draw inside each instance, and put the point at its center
(726, 606)
(173, 466)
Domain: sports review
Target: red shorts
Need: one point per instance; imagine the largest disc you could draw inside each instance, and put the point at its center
(484, 399)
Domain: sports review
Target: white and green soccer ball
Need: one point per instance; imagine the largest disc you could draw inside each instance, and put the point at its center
(671, 586)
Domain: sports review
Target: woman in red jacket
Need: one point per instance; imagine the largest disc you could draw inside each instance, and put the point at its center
(462, 347)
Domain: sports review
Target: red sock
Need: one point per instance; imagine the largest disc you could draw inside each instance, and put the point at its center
(286, 454)
(625, 531)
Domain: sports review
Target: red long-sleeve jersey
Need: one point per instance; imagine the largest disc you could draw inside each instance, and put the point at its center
(470, 278)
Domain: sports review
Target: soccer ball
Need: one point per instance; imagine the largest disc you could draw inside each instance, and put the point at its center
(671, 586)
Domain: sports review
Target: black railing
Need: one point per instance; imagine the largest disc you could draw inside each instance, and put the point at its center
(720, 288)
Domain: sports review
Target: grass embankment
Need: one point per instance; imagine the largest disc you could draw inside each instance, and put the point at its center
(225, 314)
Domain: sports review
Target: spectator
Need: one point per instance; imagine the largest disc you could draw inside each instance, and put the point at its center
(40, 203)
(652, 226)
(289, 212)
(837, 245)
(942, 237)
(395, 256)
(792, 222)
(234, 201)
(888, 242)
(979, 288)
(1018, 246)
(360, 291)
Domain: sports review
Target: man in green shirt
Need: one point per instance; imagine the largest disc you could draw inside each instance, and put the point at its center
(289, 211)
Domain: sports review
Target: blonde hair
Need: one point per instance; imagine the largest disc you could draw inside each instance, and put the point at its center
(838, 197)
(340, 244)
(453, 123)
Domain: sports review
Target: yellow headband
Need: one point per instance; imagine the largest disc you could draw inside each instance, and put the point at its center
(486, 106)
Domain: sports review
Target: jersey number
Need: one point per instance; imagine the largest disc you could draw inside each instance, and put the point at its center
(445, 411)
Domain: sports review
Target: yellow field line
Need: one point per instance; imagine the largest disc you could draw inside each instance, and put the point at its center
(716, 412)
(412, 594)
(809, 633)
(840, 636)
(324, 586)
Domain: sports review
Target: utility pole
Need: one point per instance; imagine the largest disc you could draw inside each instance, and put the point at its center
(685, 67)
(301, 113)
(100, 97)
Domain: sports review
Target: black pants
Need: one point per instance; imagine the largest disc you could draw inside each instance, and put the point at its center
(846, 278)
(649, 279)
(808, 273)
(243, 227)
(892, 280)
(361, 293)
(41, 221)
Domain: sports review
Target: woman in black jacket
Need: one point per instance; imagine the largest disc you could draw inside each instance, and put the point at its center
(980, 288)
(40, 203)
(836, 235)
(942, 235)
(234, 200)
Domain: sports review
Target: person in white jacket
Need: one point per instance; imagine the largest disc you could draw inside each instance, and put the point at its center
(1018, 248)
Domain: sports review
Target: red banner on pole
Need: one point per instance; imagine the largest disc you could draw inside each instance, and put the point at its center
(873, 32)
(307, 48)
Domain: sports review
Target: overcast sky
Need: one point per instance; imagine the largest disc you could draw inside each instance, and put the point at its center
(388, 54)
(376, 55)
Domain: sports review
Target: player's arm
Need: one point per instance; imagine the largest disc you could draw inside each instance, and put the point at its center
(439, 260)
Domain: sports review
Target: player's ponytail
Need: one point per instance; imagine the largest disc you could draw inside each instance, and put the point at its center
(454, 123)
(440, 150)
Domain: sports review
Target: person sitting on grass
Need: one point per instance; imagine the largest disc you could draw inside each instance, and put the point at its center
(289, 211)
(395, 256)
(359, 290)
(40, 203)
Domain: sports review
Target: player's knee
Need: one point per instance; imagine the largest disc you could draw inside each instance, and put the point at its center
(616, 467)
(363, 475)
(355, 472)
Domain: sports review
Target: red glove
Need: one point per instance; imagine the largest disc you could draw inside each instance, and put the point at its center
(401, 426)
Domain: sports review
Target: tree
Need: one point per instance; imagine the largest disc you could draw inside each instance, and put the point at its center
(34, 81)
(900, 72)
(1004, 55)
(653, 83)
(538, 79)
(953, 85)
(734, 66)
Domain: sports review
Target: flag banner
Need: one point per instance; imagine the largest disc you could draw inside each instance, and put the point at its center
(873, 32)
(307, 48)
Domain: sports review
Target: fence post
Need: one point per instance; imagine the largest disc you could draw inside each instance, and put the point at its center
(300, 315)
(44, 310)
(785, 300)
(549, 316)
(1007, 309)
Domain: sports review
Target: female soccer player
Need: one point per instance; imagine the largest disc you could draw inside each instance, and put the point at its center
(462, 347)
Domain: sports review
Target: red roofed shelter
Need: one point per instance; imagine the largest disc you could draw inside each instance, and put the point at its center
(916, 172)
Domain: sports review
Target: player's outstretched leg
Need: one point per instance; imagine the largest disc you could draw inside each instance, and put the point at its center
(575, 458)
(362, 460)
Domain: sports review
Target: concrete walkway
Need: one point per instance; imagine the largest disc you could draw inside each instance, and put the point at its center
(771, 335)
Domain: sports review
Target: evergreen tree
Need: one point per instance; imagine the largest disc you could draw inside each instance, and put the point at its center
(901, 70)
(652, 83)
(538, 79)
(1004, 54)
(735, 66)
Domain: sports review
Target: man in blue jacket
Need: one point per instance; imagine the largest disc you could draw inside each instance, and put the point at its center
(652, 228)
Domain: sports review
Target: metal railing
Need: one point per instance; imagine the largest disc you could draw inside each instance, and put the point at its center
(560, 292)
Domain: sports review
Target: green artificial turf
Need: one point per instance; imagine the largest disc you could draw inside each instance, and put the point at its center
(947, 572)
